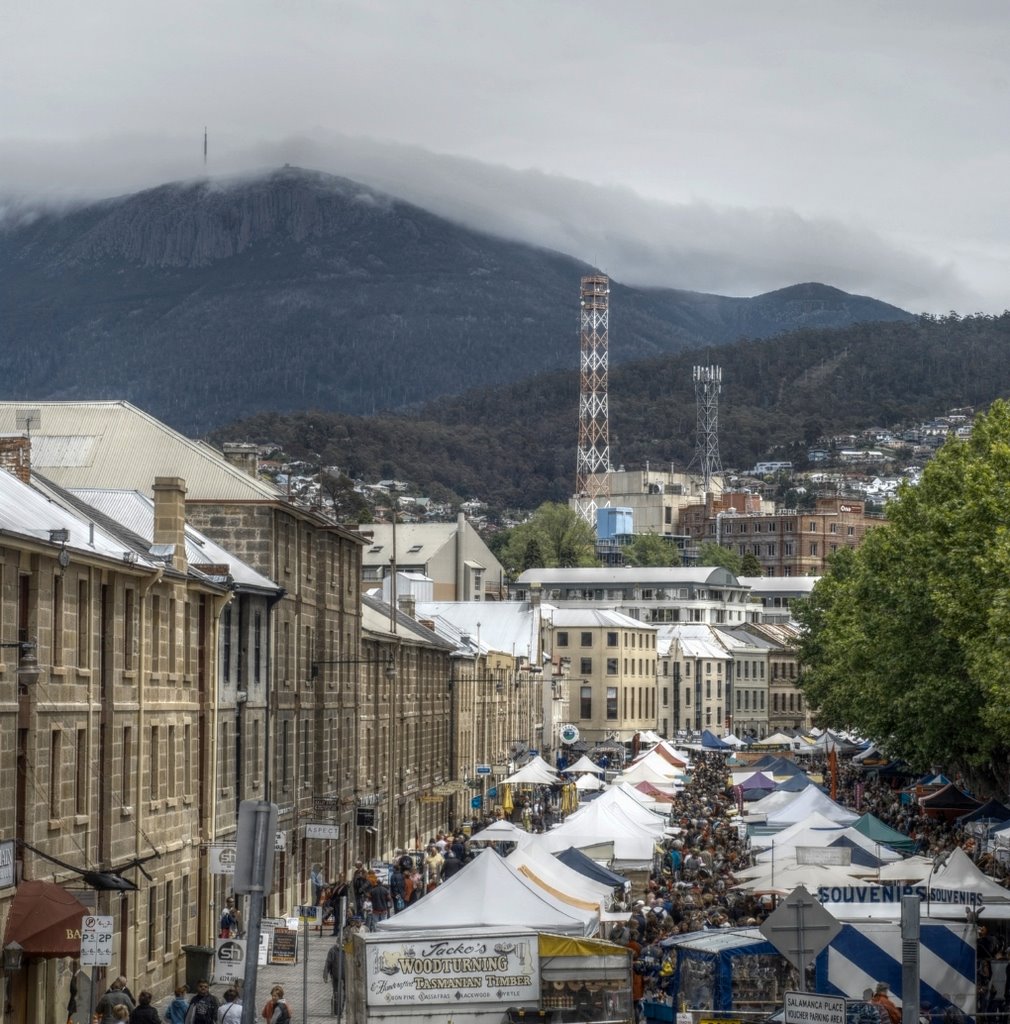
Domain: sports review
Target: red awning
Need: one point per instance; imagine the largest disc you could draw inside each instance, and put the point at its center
(46, 920)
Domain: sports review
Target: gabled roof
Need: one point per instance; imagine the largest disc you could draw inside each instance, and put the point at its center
(511, 627)
(115, 444)
(696, 640)
(375, 619)
(574, 618)
(136, 512)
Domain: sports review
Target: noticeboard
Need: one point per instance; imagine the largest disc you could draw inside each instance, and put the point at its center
(813, 1008)
(284, 947)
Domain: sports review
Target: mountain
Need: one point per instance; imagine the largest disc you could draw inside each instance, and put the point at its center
(208, 301)
(514, 446)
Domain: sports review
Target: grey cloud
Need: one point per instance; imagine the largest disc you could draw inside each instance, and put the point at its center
(695, 246)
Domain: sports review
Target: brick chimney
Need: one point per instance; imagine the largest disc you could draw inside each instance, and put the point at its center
(170, 517)
(16, 457)
(244, 456)
(407, 604)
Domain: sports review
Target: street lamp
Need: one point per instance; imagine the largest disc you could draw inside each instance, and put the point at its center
(28, 664)
(389, 671)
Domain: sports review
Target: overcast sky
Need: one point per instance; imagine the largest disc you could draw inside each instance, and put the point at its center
(732, 146)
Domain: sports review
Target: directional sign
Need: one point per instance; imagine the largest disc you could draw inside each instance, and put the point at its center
(800, 928)
(321, 830)
(808, 1008)
(229, 961)
(482, 769)
(96, 941)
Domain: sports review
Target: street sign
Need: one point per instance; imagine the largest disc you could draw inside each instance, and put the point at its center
(229, 961)
(280, 842)
(309, 914)
(222, 858)
(811, 1008)
(321, 830)
(800, 928)
(96, 941)
(482, 769)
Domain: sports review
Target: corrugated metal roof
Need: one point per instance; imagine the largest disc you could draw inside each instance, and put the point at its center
(115, 444)
(510, 627)
(696, 640)
(575, 617)
(136, 512)
(781, 585)
(26, 512)
(629, 575)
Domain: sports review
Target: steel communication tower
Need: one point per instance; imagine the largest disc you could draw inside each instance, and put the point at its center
(707, 385)
(592, 484)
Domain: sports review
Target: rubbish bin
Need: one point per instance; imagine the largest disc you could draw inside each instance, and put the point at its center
(199, 961)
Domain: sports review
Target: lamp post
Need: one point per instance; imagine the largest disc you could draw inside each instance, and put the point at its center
(28, 664)
(13, 961)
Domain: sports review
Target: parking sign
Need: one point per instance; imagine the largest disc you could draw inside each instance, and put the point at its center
(96, 941)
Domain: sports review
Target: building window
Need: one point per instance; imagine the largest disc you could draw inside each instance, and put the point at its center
(833, 528)
(585, 666)
(81, 780)
(172, 762)
(788, 547)
(55, 738)
(129, 630)
(155, 753)
(169, 917)
(813, 547)
(687, 698)
(562, 639)
(813, 526)
(587, 640)
(58, 619)
(612, 703)
(611, 666)
(127, 765)
(850, 531)
(585, 702)
(152, 919)
(612, 639)
(83, 623)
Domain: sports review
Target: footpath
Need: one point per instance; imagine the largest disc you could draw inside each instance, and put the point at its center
(290, 976)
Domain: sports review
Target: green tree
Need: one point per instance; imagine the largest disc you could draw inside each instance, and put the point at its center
(710, 553)
(907, 639)
(649, 549)
(554, 535)
(750, 565)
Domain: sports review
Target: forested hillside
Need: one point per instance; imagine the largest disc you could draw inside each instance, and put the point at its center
(207, 301)
(515, 445)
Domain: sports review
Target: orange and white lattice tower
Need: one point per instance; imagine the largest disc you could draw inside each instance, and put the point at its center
(707, 386)
(592, 482)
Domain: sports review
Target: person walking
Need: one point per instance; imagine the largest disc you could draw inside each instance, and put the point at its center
(115, 996)
(203, 1006)
(145, 1012)
(335, 971)
(276, 1009)
(881, 998)
(230, 1011)
(176, 1012)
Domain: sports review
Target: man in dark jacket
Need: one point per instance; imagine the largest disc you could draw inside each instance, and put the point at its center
(382, 901)
(397, 888)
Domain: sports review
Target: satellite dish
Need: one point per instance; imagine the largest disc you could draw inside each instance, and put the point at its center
(569, 734)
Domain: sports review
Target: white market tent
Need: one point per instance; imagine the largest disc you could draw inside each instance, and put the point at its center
(490, 892)
(545, 869)
(818, 837)
(807, 801)
(772, 803)
(629, 806)
(960, 872)
(911, 869)
(814, 820)
(534, 773)
(502, 831)
(596, 823)
(588, 783)
(584, 764)
(776, 878)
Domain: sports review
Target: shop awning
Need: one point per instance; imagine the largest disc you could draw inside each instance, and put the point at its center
(46, 920)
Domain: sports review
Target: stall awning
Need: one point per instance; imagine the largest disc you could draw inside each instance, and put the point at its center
(46, 920)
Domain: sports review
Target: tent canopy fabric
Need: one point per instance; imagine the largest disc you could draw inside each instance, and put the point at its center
(991, 809)
(712, 742)
(757, 781)
(534, 773)
(809, 800)
(41, 918)
(949, 797)
(584, 764)
(873, 828)
(578, 861)
(588, 782)
(489, 892)
(502, 831)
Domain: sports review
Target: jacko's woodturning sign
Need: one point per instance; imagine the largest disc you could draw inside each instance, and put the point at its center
(498, 968)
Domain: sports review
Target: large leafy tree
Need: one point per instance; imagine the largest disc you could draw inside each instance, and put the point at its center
(710, 553)
(553, 537)
(649, 549)
(908, 638)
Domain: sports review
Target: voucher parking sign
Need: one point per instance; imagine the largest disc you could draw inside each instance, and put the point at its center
(96, 941)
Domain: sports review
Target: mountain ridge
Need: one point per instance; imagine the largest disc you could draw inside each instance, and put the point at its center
(207, 301)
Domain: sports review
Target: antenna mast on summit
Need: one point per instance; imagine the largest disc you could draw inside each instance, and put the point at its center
(592, 480)
(707, 386)
(205, 146)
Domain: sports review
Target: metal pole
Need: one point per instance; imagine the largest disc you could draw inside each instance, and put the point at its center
(340, 960)
(910, 906)
(256, 900)
(801, 943)
(305, 965)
